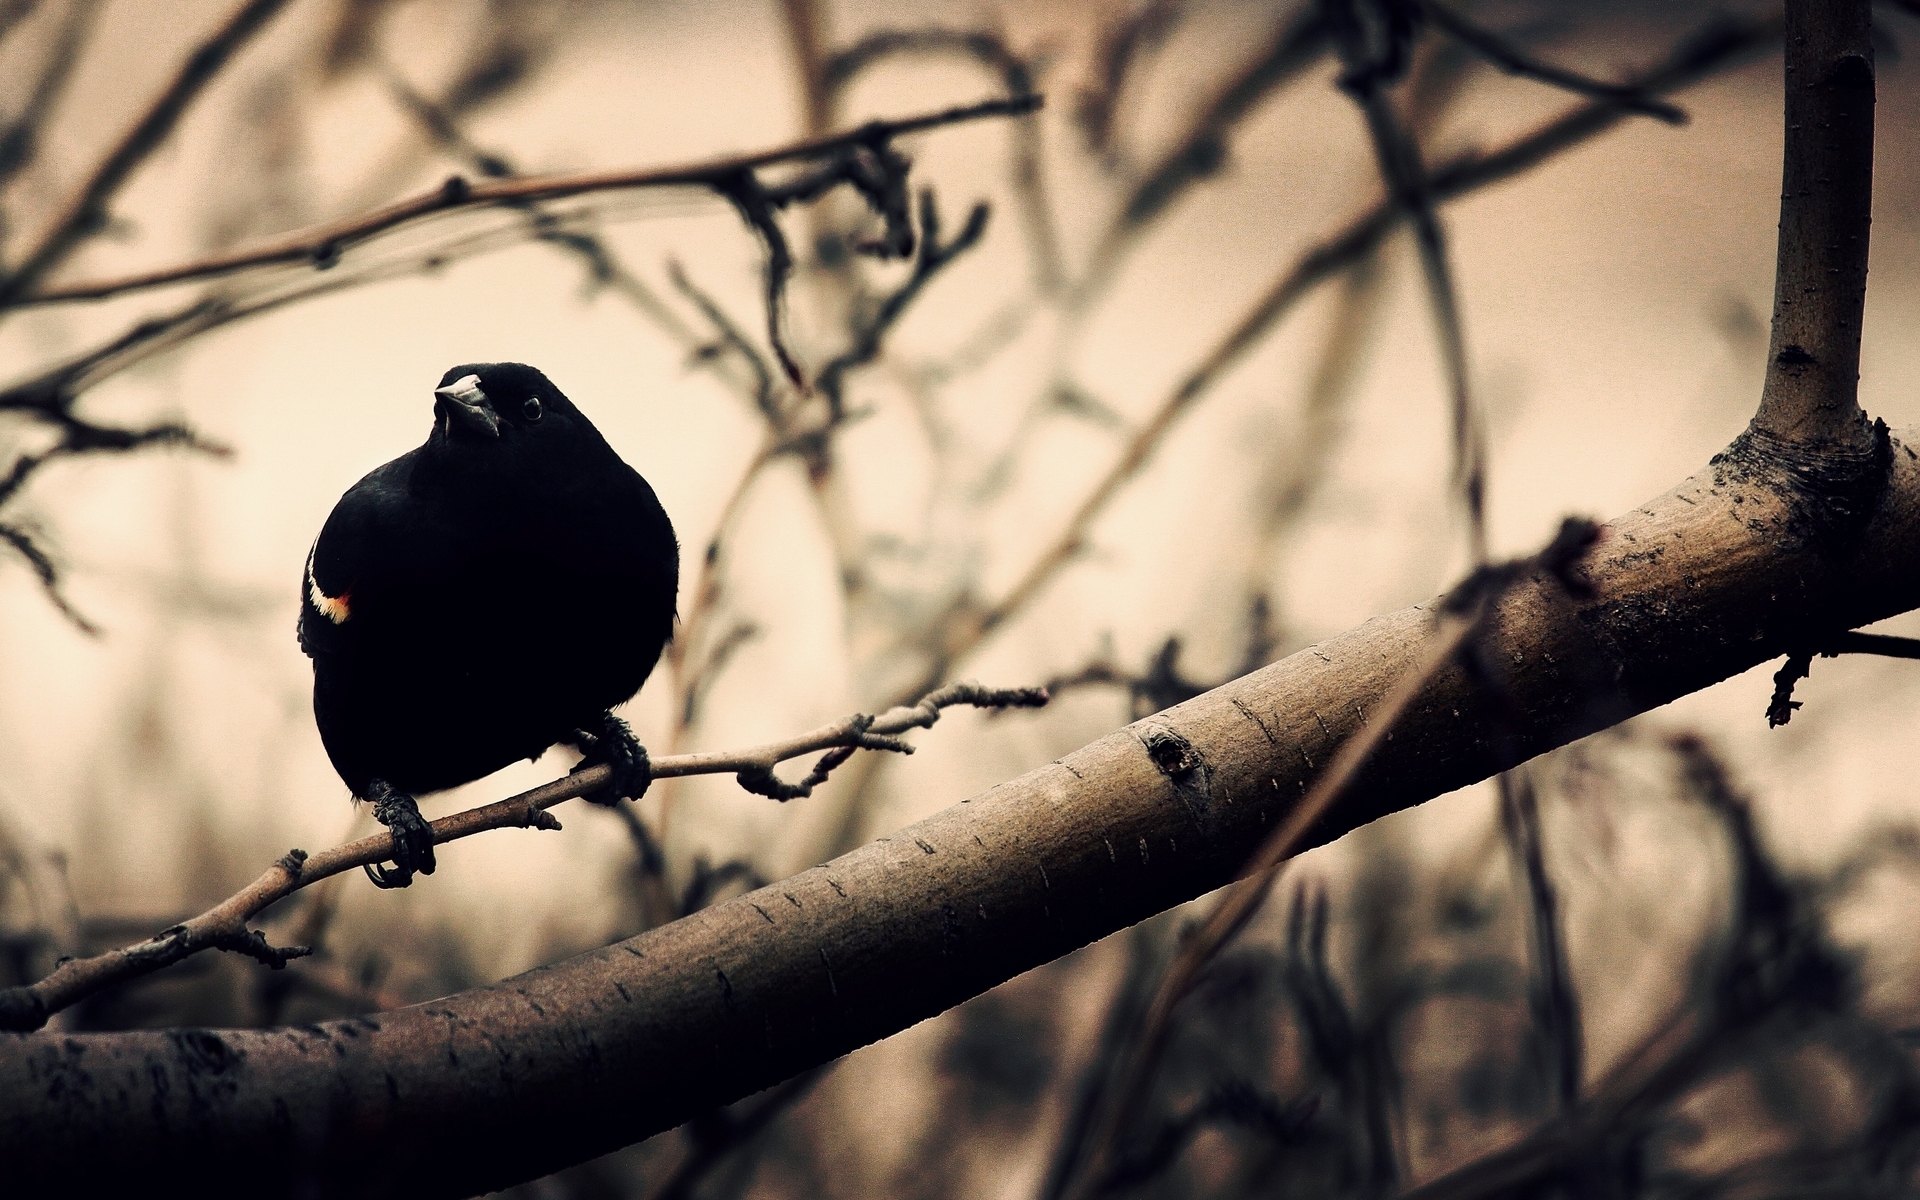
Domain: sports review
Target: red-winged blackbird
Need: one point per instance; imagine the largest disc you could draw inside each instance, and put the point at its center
(482, 598)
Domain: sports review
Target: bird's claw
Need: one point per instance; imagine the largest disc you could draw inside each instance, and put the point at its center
(614, 745)
(412, 836)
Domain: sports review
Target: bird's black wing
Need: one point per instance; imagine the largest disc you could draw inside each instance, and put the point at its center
(359, 550)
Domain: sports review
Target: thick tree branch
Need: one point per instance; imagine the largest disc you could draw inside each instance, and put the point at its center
(323, 245)
(511, 1081)
(224, 926)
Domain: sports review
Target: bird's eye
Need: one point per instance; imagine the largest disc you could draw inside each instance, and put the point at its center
(532, 408)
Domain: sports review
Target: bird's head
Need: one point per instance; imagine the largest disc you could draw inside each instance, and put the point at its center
(497, 407)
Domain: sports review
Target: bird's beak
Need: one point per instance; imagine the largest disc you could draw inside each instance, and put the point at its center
(462, 401)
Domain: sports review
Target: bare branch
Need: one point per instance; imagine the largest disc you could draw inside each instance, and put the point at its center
(730, 338)
(1776, 969)
(1826, 211)
(932, 257)
(1799, 665)
(224, 927)
(1201, 150)
(86, 212)
(19, 141)
(324, 245)
(1554, 1004)
(1123, 44)
(1514, 61)
(1405, 175)
(807, 31)
(49, 576)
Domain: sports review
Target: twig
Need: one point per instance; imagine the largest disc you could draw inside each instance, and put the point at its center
(765, 397)
(1882, 644)
(785, 435)
(932, 257)
(441, 121)
(224, 926)
(990, 50)
(86, 212)
(726, 1130)
(13, 12)
(1405, 175)
(323, 245)
(807, 33)
(1458, 619)
(1780, 707)
(1123, 44)
(1551, 996)
(1514, 61)
(697, 684)
(49, 576)
(1798, 666)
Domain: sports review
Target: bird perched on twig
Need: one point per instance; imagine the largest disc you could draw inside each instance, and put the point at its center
(483, 597)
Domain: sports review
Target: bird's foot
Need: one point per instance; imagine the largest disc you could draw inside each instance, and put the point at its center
(412, 836)
(612, 743)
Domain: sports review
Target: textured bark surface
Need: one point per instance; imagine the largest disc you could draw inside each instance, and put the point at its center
(1826, 189)
(1741, 563)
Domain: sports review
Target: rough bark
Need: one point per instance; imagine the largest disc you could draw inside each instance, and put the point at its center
(507, 1082)
(1826, 189)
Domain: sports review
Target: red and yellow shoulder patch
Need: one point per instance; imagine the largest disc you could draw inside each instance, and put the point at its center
(334, 608)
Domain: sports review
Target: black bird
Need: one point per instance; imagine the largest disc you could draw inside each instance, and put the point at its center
(483, 597)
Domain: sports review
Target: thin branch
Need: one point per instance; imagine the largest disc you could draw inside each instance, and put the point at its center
(49, 576)
(323, 245)
(20, 140)
(441, 121)
(1514, 61)
(1201, 150)
(1799, 665)
(1405, 175)
(932, 257)
(765, 397)
(695, 688)
(1123, 45)
(1551, 996)
(726, 1130)
(1882, 644)
(224, 926)
(807, 33)
(13, 12)
(54, 390)
(85, 214)
(1776, 968)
